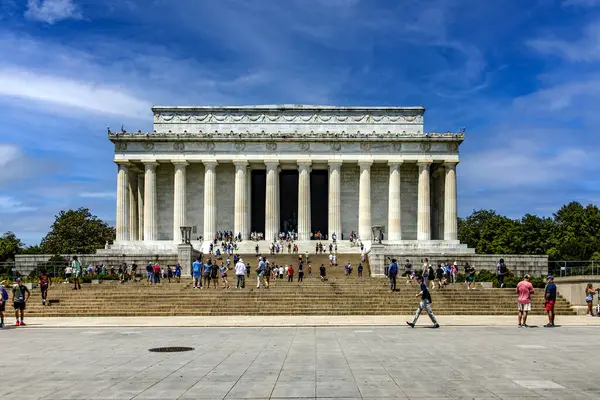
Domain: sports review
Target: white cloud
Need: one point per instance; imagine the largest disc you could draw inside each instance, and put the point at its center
(98, 195)
(87, 95)
(9, 205)
(51, 11)
(585, 49)
(14, 165)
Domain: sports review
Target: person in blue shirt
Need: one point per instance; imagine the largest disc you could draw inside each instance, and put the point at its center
(206, 274)
(178, 272)
(424, 304)
(196, 273)
(392, 274)
(550, 299)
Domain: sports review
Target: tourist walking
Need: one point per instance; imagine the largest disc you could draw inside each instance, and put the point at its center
(68, 273)
(20, 296)
(424, 304)
(392, 274)
(300, 273)
(150, 272)
(524, 292)
(169, 273)
(3, 300)
(206, 274)
(589, 298)
(240, 271)
(290, 274)
(501, 272)
(550, 300)
(178, 272)
(323, 273)
(76, 273)
(470, 273)
(248, 270)
(44, 282)
(197, 273)
(360, 270)
(156, 274)
(223, 271)
(408, 270)
(267, 273)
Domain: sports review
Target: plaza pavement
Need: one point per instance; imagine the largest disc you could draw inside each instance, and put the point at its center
(352, 362)
(294, 321)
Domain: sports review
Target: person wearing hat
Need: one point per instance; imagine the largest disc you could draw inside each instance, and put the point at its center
(3, 299)
(20, 296)
(550, 299)
(424, 304)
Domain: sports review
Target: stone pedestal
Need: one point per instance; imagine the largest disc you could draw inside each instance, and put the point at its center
(185, 257)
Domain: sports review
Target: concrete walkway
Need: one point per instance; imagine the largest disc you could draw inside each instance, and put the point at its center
(294, 321)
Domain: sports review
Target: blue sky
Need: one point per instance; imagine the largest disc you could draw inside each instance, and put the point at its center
(522, 77)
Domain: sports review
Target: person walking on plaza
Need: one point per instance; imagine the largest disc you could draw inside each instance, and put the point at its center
(501, 272)
(45, 282)
(424, 304)
(76, 273)
(3, 300)
(589, 298)
(20, 296)
(524, 292)
(392, 274)
(197, 273)
(240, 274)
(550, 299)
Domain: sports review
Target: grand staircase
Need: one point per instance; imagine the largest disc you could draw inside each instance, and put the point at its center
(339, 295)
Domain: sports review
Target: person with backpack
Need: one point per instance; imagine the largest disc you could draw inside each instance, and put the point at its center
(392, 274)
(240, 274)
(501, 272)
(424, 304)
(3, 300)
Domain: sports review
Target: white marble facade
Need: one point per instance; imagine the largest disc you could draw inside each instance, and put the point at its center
(195, 168)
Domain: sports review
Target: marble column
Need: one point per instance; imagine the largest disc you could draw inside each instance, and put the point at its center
(424, 203)
(394, 230)
(150, 202)
(248, 201)
(364, 201)
(179, 200)
(272, 201)
(133, 207)
(241, 205)
(210, 200)
(140, 205)
(122, 203)
(304, 200)
(335, 215)
(450, 210)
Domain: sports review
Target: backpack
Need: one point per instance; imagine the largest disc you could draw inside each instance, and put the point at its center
(4, 294)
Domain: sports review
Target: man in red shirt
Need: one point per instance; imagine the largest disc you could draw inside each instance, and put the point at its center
(524, 292)
(290, 274)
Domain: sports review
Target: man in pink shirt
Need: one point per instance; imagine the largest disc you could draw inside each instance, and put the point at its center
(524, 292)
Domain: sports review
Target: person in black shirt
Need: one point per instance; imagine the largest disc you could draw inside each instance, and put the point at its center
(424, 304)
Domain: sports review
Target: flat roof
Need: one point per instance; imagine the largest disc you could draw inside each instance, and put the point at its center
(291, 107)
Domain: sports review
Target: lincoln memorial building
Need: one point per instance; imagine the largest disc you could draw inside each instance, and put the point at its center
(275, 168)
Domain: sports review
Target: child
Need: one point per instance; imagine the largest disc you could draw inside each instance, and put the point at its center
(309, 269)
(411, 277)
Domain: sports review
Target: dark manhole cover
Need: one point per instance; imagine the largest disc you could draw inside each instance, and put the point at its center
(170, 349)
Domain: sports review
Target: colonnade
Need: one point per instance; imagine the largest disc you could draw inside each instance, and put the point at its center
(138, 220)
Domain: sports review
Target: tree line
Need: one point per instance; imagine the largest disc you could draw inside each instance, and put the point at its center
(572, 233)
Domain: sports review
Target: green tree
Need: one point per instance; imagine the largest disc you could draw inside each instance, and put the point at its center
(10, 245)
(77, 231)
(577, 234)
(490, 233)
(538, 235)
